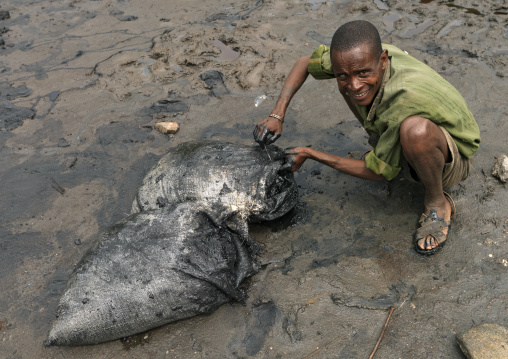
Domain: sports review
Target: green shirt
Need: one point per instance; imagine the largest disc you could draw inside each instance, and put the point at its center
(412, 89)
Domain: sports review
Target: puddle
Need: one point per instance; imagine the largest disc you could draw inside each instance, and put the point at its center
(469, 10)
(145, 70)
(227, 53)
(316, 3)
(449, 27)
(381, 5)
(389, 19)
(408, 34)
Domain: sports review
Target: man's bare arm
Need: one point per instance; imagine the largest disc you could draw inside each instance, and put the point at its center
(270, 129)
(292, 84)
(358, 168)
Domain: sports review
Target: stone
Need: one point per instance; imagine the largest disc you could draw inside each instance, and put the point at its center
(500, 168)
(167, 127)
(4, 15)
(485, 341)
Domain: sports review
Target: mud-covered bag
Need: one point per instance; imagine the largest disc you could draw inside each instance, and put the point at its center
(150, 269)
(243, 179)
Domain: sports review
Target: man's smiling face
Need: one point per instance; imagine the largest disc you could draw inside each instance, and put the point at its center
(359, 73)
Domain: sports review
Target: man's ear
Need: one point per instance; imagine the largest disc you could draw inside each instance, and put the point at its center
(384, 59)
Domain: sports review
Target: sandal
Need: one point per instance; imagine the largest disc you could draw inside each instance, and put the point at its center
(433, 225)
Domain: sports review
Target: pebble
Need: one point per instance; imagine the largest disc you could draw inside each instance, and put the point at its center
(485, 341)
(500, 168)
(167, 127)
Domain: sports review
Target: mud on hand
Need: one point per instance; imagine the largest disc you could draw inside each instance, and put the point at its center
(267, 131)
(293, 160)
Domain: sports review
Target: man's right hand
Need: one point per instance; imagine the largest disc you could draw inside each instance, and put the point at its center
(267, 131)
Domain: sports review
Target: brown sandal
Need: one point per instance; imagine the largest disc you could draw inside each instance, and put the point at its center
(433, 225)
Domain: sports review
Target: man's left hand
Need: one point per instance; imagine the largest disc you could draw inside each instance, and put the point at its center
(294, 159)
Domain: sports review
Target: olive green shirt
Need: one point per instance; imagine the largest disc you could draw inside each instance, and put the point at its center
(411, 88)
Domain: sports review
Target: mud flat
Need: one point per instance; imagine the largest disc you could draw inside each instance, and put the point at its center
(83, 84)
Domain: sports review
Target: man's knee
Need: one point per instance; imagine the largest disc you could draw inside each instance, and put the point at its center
(416, 131)
(420, 135)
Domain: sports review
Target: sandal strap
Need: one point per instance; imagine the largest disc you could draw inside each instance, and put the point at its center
(433, 229)
(452, 203)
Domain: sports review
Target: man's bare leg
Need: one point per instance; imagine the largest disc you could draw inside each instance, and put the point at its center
(426, 150)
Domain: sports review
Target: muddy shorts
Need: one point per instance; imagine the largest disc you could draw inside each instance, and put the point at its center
(454, 171)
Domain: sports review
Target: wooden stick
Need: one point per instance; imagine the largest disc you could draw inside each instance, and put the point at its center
(382, 333)
(55, 185)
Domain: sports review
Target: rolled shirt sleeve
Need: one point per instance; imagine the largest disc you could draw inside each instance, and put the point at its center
(380, 167)
(320, 65)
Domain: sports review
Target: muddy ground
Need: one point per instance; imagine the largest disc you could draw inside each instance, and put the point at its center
(80, 83)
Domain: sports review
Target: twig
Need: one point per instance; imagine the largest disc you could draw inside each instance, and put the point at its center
(382, 333)
(55, 185)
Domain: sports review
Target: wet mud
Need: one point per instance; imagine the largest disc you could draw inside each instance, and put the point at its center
(82, 86)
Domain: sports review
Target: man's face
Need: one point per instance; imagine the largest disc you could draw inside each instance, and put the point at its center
(359, 73)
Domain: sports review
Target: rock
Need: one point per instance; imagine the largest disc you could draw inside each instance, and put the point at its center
(62, 142)
(485, 341)
(128, 18)
(167, 127)
(500, 168)
(4, 15)
(54, 95)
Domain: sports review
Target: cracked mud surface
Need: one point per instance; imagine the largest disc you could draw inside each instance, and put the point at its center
(81, 83)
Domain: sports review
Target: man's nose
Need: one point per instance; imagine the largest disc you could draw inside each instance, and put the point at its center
(354, 84)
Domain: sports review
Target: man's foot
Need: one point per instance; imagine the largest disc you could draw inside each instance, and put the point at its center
(432, 234)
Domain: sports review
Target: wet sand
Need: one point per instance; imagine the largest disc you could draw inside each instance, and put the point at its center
(81, 83)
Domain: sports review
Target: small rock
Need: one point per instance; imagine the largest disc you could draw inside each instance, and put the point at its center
(197, 347)
(77, 242)
(4, 15)
(63, 143)
(167, 127)
(70, 162)
(500, 168)
(485, 341)
(128, 18)
(116, 12)
(54, 95)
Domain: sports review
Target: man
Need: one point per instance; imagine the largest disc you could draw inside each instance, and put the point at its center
(415, 119)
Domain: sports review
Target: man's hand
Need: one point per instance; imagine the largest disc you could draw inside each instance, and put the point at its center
(267, 131)
(294, 159)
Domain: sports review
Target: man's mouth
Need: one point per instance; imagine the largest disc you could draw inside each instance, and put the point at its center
(360, 94)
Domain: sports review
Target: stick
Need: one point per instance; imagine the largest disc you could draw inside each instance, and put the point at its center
(382, 333)
(55, 185)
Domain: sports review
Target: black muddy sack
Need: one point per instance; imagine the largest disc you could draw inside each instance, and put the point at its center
(151, 269)
(243, 179)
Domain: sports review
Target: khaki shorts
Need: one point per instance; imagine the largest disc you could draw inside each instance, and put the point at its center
(454, 171)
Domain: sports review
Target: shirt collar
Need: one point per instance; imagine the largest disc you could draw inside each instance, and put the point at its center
(379, 96)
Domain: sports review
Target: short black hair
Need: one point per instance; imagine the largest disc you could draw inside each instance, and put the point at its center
(355, 33)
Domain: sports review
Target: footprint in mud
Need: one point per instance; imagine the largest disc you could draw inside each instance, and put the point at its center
(263, 318)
